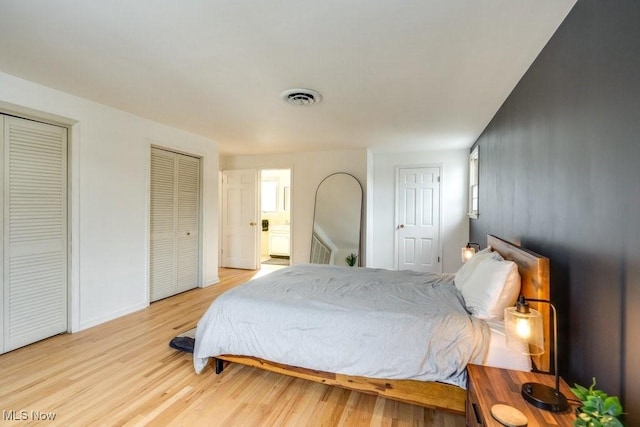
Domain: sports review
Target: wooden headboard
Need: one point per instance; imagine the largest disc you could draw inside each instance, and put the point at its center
(534, 276)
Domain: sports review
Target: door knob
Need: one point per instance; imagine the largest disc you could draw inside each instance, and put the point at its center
(252, 224)
(401, 226)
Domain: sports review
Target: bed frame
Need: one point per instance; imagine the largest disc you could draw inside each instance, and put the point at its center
(534, 273)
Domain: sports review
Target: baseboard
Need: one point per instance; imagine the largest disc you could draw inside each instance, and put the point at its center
(111, 316)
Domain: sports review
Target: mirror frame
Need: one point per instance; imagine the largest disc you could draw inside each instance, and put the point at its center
(315, 203)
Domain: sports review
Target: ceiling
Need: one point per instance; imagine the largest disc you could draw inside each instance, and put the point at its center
(395, 75)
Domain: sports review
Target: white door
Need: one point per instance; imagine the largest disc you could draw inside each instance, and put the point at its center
(34, 231)
(239, 219)
(418, 219)
(174, 223)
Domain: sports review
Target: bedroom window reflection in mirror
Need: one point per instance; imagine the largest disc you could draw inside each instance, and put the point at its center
(474, 188)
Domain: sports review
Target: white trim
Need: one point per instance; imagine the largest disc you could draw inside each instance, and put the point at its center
(473, 214)
(73, 194)
(213, 282)
(291, 216)
(36, 115)
(73, 200)
(111, 316)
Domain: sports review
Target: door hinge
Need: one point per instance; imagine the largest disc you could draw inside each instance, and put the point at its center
(438, 259)
(438, 179)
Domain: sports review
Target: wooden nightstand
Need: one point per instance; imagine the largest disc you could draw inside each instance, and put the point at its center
(488, 386)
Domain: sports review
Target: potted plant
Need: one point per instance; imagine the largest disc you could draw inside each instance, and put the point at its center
(598, 409)
(351, 259)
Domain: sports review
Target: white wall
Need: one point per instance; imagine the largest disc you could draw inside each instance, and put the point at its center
(376, 173)
(455, 224)
(109, 197)
(307, 171)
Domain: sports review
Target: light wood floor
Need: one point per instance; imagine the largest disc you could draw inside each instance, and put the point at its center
(124, 373)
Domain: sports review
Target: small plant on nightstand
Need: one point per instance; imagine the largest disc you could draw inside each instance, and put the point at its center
(598, 409)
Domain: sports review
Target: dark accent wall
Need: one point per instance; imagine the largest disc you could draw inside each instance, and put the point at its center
(560, 173)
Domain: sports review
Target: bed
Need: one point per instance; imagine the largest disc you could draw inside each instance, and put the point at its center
(379, 341)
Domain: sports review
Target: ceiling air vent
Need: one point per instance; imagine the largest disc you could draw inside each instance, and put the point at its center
(301, 96)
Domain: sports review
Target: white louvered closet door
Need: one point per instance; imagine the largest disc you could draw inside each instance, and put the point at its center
(35, 231)
(188, 222)
(175, 219)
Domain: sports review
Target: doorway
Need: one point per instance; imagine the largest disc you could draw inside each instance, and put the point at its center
(256, 218)
(275, 217)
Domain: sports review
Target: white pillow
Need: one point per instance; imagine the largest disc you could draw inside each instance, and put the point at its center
(493, 286)
(466, 271)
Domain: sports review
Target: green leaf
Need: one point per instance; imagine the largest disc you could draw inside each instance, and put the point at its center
(598, 409)
(616, 423)
(584, 416)
(612, 406)
(609, 421)
(579, 422)
(600, 394)
(580, 391)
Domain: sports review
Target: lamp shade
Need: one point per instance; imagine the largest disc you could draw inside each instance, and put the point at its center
(469, 250)
(467, 253)
(523, 330)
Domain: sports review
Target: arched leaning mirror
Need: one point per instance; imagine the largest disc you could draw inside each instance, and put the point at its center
(336, 221)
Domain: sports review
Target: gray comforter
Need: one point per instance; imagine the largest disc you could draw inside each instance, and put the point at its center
(355, 321)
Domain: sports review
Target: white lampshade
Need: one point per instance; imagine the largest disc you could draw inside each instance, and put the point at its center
(523, 330)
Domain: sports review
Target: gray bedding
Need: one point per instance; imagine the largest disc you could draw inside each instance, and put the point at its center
(355, 321)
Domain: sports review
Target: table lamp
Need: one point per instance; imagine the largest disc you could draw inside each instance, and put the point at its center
(468, 251)
(523, 325)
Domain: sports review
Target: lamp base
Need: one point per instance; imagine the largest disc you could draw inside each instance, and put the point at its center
(544, 397)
